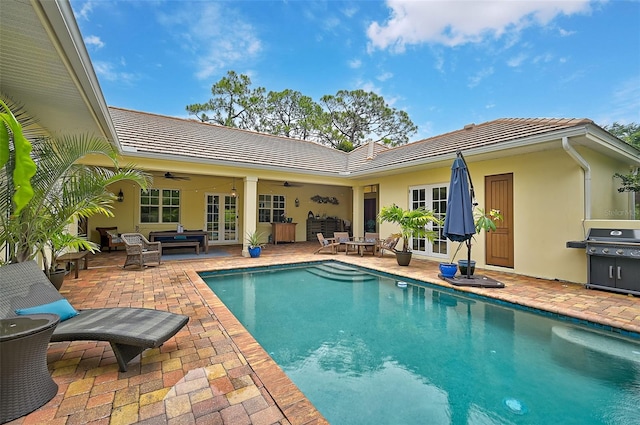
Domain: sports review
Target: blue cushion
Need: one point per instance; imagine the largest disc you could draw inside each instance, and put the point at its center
(180, 237)
(61, 307)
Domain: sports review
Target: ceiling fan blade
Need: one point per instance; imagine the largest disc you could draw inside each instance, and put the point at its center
(169, 175)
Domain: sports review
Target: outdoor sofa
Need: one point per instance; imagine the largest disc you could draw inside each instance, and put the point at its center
(130, 331)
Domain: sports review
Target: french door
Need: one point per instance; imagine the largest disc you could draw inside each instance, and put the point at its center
(221, 219)
(434, 198)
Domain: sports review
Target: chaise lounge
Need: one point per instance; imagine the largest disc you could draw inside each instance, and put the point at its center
(130, 331)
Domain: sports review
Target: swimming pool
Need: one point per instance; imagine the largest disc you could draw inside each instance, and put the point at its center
(365, 350)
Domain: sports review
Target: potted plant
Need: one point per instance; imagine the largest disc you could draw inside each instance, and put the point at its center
(62, 191)
(413, 223)
(483, 221)
(449, 269)
(255, 245)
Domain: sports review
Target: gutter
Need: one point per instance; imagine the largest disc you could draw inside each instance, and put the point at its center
(587, 175)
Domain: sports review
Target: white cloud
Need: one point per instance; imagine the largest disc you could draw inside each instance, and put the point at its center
(349, 12)
(384, 76)
(624, 104)
(479, 76)
(108, 72)
(452, 23)
(94, 41)
(565, 33)
(516, 61)
(355, 63)
(84, 11)
(215, 35)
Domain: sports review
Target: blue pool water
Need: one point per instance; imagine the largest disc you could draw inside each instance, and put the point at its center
(366, 350)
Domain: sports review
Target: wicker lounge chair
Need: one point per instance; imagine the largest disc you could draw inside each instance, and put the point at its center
(140, 251)
(327, 244)
(130, 331)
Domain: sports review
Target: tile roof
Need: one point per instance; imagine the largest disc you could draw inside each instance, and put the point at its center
(471, 136)
(190, 139)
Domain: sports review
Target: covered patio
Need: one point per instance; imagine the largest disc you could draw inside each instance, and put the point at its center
(213, 371)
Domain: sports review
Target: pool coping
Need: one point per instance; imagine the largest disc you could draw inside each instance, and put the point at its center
(294, 405)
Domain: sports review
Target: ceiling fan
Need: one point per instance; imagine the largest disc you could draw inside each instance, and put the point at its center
(287, 184)
(169, 175)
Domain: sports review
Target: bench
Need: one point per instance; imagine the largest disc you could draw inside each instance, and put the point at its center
(181, 244)
(171, 237)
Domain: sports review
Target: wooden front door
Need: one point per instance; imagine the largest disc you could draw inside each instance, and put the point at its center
(499, 196)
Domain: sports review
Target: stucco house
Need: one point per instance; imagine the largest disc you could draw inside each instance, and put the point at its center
(552, 179)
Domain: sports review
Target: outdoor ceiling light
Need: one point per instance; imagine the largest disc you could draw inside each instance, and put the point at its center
(233, 189)
(120, 196)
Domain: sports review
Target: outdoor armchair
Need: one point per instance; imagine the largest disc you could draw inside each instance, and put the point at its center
(327, 244)
(342, 238)
(109, 238)
(140, 251)
(389, 244)
(372, 237)
(130, 331)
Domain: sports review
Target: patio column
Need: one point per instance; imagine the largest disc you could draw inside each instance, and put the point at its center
(249, 210)
(358, 211)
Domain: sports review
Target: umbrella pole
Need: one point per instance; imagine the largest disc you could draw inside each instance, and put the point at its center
(468, 258)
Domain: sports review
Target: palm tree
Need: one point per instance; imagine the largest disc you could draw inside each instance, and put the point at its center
(64, 190)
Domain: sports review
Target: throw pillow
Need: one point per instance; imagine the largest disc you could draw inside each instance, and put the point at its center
(61, 307)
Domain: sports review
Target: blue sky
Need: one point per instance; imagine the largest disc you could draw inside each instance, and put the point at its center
(447, 63)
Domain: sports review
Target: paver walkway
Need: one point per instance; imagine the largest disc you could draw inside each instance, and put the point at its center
(213, 371)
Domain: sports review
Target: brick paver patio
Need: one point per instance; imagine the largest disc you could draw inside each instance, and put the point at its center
(213, 371)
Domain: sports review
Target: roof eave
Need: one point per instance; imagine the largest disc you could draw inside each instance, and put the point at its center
(59, 21)
(470, 154)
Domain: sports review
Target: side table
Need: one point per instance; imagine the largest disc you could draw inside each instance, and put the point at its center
(25, 381)
(75, 258)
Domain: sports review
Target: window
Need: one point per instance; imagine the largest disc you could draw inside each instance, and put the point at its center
(434, 198)
(160, 206)
(270, 208)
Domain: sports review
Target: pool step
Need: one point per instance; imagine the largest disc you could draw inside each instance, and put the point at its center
(340, 272)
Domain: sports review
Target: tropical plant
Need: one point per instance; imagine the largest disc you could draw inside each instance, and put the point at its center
(254, 239)
(23, 168)
(413, 223)
(486, 221)
(63, 190)
(482, 221)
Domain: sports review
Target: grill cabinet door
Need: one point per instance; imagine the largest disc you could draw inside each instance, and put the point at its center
(629, 277)
(602, 271)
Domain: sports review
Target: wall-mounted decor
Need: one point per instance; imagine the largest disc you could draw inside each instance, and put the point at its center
(325, 199)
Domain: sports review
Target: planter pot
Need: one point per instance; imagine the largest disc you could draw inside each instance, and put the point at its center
(448, 269)
(57, 278)
(255, 251)
(403, 258)
(462, 264)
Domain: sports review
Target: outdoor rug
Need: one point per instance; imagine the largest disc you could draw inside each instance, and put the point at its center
(475, 280)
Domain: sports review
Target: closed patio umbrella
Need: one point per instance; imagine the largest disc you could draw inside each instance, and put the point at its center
(458, 223)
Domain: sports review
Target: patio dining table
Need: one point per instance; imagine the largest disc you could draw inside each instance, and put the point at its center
(359, 247)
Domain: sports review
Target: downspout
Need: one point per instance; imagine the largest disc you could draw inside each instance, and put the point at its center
(587, 175)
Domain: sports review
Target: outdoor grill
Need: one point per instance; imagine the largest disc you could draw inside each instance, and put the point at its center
(613, 260)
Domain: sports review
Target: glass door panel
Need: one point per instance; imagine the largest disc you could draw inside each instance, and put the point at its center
(221, 221)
